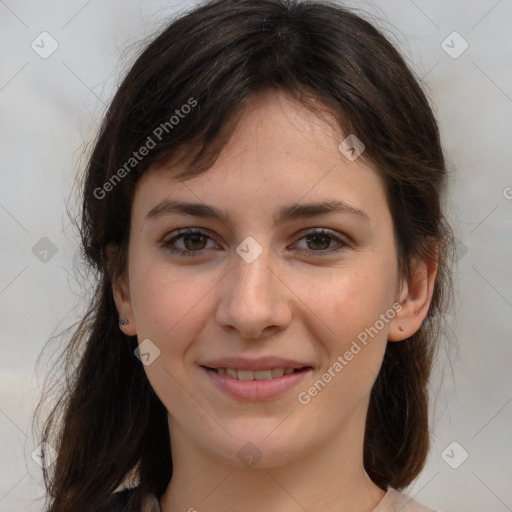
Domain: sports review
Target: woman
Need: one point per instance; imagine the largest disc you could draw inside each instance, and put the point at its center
(262, 206)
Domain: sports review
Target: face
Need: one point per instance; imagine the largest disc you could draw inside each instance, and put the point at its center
(270, 287)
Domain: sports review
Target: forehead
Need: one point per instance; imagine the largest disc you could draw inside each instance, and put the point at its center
(279, 153)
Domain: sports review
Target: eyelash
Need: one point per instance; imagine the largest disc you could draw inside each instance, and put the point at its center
(195, 231)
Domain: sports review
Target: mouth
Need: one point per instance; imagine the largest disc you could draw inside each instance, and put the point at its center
(268, 374)
(255, 380)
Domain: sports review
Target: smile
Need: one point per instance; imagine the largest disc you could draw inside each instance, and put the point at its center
(256, 385)
(273, 373)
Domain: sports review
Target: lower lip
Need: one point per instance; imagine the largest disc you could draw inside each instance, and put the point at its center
(256, 389)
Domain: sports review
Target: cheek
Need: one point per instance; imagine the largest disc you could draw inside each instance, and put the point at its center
(167, 303)
(167, 309)
(353, 339)
(353, 336)
(351, 301)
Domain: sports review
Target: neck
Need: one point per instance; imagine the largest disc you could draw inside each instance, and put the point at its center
(330, 477)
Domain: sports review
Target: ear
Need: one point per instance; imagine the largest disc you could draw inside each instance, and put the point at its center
(121, 292)
(415, 297)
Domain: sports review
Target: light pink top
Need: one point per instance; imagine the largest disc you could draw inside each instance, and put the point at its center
(393, 501)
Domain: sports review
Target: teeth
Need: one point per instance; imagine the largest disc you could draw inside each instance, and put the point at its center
(231, 373)
(273, 373)
(245, 375)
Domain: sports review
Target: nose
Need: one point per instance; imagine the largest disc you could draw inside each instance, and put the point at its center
(255, 302)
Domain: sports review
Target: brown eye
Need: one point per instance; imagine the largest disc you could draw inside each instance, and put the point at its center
(193, 242)
(319, 242)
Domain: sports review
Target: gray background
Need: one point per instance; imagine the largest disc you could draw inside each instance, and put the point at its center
(51, 107)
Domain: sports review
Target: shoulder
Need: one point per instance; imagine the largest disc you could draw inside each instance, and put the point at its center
(395, 501)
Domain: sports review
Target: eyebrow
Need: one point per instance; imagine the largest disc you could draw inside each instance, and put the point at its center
(286, 213)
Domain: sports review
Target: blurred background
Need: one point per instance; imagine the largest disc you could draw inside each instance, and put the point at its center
(60, 64)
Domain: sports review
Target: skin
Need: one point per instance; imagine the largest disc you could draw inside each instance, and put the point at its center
(290, 302)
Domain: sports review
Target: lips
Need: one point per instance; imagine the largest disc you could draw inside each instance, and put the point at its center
(255, 379)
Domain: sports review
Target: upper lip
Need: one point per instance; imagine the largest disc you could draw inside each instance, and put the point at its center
(261, 363)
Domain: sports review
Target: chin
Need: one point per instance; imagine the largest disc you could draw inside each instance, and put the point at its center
(258, 444)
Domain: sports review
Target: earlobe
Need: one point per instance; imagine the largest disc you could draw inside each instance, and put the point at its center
(121, 294)
(124, 308)
(415, 299)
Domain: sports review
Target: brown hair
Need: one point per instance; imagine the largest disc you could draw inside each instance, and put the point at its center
(108, 424)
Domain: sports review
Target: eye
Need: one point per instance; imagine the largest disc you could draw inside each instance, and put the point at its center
(194, 241)
(320, 240)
